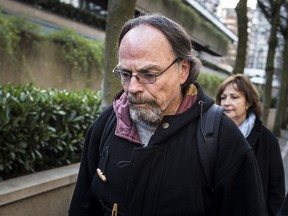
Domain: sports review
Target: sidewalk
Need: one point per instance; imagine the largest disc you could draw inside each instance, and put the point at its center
(283, 141)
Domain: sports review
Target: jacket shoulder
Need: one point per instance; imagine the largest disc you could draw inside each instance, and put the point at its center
(265, 134)
(232, 145)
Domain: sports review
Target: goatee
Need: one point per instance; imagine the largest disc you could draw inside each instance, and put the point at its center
(144, 110)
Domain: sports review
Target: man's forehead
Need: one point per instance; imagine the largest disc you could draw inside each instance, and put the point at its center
(145, 34)
(144, 40)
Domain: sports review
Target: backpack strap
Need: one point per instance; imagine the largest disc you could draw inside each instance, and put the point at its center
(207, 139)
(107, 130)
(103, 150)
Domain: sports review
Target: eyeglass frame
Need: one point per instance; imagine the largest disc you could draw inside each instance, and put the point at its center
(118, 75)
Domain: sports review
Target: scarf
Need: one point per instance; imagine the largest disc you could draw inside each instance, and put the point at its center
(247, 126)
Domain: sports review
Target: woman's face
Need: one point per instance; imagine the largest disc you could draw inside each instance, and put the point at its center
(235, 104)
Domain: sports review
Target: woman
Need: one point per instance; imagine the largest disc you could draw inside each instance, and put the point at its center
(242, 105)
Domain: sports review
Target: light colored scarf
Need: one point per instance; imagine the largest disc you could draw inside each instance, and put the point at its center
(247, 126)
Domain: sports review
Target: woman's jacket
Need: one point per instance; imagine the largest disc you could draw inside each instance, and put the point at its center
(166, 177)
(267, 150)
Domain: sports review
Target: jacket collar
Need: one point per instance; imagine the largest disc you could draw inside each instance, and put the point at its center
(125, 127)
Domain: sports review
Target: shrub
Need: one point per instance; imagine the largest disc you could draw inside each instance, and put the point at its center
(82, 53)
(18, 33)
(42, 128)
(209, 83)
(274, 101)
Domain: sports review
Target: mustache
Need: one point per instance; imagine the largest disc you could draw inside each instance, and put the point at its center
(136, 99)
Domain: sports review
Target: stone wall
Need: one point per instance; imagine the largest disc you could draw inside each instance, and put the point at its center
(46, 193)
(46, 68)
(43, 66)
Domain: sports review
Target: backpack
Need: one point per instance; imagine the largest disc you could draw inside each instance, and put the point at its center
(207, 139)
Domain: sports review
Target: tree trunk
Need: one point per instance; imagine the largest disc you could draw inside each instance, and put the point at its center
(285, 122)
(241, 10)
(119, 11)
(272, 43)
(281, 115)
(281, 108)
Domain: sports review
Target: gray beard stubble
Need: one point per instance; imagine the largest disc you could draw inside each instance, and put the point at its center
(150, 115)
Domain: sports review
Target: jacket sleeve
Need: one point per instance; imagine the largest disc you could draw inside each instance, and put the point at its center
(238, 187)
(83, 203)
(284, 208)
(276, 183)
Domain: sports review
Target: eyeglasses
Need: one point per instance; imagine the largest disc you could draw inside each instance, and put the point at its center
(143, 78)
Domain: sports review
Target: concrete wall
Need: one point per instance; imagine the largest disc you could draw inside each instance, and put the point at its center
(199, 34)
(46, 193)
(42, 64)
(46, 68)
(43, 67)
(27, 10)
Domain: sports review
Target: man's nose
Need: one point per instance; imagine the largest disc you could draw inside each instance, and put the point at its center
(134, 85)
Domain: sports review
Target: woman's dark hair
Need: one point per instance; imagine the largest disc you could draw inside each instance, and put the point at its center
(243, 84)
(178, 38)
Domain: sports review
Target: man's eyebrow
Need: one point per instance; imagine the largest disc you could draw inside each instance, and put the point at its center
(120, 67)
(144, 68)
(149, 67)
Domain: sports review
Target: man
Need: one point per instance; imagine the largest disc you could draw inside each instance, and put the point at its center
(147, 161)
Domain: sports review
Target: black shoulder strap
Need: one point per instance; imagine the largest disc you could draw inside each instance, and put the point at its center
(99, 135)
(107, 130)
(207, 138)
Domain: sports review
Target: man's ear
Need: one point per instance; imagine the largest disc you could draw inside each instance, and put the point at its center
(184, 70)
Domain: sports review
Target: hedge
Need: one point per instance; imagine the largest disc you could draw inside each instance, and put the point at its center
(210, 83)
(42, 128)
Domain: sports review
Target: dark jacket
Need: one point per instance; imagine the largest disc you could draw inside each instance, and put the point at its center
(267, 150)
(284, 208)
(166, 178)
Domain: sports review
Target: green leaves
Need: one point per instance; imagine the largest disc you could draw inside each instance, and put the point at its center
(82, 53)
(9, 35)
(42, 128)
(210, 83)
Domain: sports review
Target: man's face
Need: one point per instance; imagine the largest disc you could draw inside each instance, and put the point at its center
(145, 49)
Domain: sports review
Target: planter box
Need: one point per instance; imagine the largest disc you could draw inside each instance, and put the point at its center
(46, 193)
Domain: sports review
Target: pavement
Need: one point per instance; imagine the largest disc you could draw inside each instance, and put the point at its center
(283, 141)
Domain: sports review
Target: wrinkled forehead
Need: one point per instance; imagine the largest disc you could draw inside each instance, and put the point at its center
(144, 39)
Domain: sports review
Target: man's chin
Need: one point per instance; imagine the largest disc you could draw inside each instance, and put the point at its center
(144, 114)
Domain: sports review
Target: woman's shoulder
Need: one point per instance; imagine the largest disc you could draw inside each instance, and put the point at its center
(266, 134)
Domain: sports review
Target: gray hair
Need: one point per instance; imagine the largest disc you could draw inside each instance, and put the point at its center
(178, 38)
